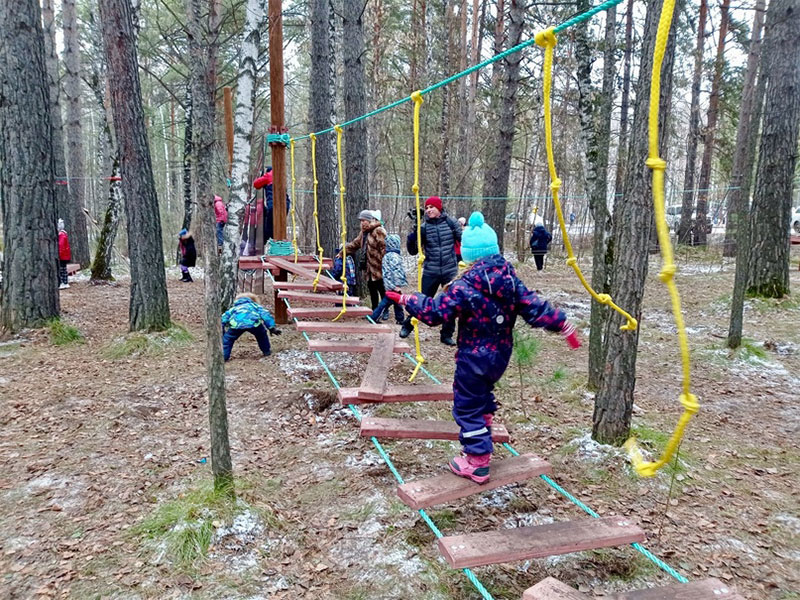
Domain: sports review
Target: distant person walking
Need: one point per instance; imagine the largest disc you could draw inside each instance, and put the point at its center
(188, 254)
(64, 256)
(221, 214)
(540, 241)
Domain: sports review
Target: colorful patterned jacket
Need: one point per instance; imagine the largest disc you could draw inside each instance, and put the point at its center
(245, 314)
(486, 300)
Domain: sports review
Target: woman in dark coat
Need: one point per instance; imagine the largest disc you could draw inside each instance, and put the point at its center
(188, 254)
(540, 240)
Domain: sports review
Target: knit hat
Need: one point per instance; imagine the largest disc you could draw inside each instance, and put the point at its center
(377, 215)
(366, 215)
(434, 201)
(478, 239)
(182, 233)
(61, 224)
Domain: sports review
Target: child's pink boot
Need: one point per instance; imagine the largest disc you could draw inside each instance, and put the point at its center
(471, 466)
(488, 418)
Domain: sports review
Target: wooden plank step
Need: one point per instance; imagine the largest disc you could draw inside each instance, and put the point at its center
(374, 380)
(447, 487)
(327, 263)
(552, 589)
(353, 312)
(354, 346)
(523, 543)
(360, 328)
(254, 262)
(324, 298)
(73, 268)
(421, 429)
(303, 285)
(401, 393)
(306, 270)
(704, 589)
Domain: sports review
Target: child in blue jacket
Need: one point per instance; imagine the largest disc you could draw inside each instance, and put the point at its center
(394, 278)
(336, 270)
(486, 300)
(247, 314)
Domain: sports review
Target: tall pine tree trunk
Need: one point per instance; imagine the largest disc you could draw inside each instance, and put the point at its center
(29, 289)
(595, 111)
(496, 177)
(622, 144)
(744, 154)
(76, 223)
(188, 150)
(703, 183)
(355, 105)
(777, 154)
(149, 306)
(242, 146)
(322, 114)
(633, 220)
(203, 18)
(687, 201)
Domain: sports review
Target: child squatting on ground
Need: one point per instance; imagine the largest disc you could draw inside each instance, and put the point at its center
(486, 300)
(247, 314)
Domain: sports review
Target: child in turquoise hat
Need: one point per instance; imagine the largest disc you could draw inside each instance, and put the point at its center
(486, 301)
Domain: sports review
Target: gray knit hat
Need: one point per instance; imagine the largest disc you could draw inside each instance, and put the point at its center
(366, 215)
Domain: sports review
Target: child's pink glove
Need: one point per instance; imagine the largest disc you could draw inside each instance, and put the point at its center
(397, 297)
(569, 333)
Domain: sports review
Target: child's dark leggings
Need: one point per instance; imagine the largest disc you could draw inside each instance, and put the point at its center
(539, 259)
(476, 374)
(62, 271)
(231, 335)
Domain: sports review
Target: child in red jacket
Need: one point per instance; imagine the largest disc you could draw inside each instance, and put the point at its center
(64, 256)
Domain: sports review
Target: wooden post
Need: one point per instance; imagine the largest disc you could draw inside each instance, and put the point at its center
(278, 126)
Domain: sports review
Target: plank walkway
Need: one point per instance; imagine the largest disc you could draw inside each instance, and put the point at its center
(448, 487)
(523, 543)
(303, 285)
(348, 346)
(374, 381)
(703, 589)
(323, 298)
(353, 312)
(420, 429)
(359, 328)
(401, 393)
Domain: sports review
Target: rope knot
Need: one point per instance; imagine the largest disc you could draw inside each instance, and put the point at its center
(572, 261)
(667, 273)
(603, 298)
(416, 96)
(546, 38)
(690, 403)
(556, 185)
(312, 136)
(415, 188)
(656, 163)
(337, 128)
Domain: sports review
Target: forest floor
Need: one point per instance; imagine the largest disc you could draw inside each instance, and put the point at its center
(105, 467)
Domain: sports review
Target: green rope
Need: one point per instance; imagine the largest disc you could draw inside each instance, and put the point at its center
(573, 21)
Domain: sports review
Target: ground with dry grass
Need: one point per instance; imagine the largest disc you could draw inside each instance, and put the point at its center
(105, 474)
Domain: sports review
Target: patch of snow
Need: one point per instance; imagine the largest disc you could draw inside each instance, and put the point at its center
(15, 544)
(589, 450)
(526, 520)
(369, 459)
(789, 522)
(497, 498)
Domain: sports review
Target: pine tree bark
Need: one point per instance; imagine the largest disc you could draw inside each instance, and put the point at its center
(496, 177)
(322, 114)
(777, 155)
(149, 306)
(242, 146)
(622, 144)
(703, 183)
(744, 155)
(29, 288)
(53, 77)
(633, 220)
(355, 105)
(687, 201)
(76, 223)
(595, 111)
(188, 150)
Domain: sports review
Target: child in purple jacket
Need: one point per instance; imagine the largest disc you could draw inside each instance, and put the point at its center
(486, 300)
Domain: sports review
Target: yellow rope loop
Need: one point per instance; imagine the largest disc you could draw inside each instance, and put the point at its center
(294, 195)
(416, 97)
(547, 40)
(658, 165)
(316, 207)
(343, 215)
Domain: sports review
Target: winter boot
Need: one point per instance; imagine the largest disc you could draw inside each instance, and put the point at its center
(406, 330)
(488, 418)
(187, 278)
(471, 466)
(447, 340)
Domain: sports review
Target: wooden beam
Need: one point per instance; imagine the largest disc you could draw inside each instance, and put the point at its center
(299, 285)
(374, 380)
(353, 312)
(320, 298)
(301, 270)
(448, 487)
(421, 429)
(348, 346)
(704, 589)
(276, 110)
(359, 328)
(523, 543)
(401, 393)
(553, 589)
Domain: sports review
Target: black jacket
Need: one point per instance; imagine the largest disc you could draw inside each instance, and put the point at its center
(540, 240)
(439, 236)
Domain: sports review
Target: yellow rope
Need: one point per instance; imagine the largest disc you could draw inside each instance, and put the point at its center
(316, 206)
(547, 39)
(294, 195)
(416, 97)
(667, 274)
(344, 222)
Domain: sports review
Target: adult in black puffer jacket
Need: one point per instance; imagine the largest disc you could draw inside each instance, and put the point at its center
(439, 233)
